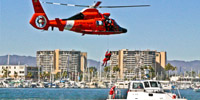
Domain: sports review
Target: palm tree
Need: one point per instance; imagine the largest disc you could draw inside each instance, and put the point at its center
(169, 67)
(57, 75)
(15, 74)
(65, 74)
(45, 75)
(29, 75)
(93, 71)
(48, 75)
(41, 75)
(152, 71)
(193, 73)
(6, 73)
(117, 70)
(106, 70)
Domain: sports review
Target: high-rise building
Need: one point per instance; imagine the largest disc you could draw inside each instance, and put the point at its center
(161, 60)
(130, 62)
(59, 61)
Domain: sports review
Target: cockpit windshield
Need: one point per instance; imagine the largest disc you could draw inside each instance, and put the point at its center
(111, 25)
(115, 23)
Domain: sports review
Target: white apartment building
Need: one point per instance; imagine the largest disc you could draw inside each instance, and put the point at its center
(21, 70)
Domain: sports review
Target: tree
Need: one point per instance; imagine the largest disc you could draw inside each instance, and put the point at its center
(15, 74)
(106, 70)
(48, 75)
(29, 75)
(41, 75)
(93, 71)
(44, 75)
(193, 73)
(116, 69)
(169, 67)
(152, 72)
(65, 74)
(6, 73)
(81, 76)
(57, 75)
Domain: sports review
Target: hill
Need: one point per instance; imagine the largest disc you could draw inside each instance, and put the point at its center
(186, 65)
(16, 59)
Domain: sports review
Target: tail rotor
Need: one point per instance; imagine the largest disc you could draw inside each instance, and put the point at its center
(39, 19)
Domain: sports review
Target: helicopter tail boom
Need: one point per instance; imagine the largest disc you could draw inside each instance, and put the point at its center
(39, 19)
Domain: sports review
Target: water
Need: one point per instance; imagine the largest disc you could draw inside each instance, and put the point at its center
(190, 94)
(68, 94)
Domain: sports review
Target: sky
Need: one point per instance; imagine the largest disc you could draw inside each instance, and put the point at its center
(167, 25)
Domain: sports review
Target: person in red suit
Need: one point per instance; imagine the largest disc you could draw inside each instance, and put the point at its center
(107, 58)
(112, 93)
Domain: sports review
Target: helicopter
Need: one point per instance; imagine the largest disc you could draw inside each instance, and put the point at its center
(88, 21)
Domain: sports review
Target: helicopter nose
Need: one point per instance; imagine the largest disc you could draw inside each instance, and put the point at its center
(124, 30)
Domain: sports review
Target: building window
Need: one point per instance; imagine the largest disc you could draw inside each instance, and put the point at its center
(21, 72)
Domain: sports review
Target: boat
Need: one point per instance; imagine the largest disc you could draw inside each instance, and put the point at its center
(145, 90)
(122, 85)
(197, 89)
(166, 85)
(82, 85)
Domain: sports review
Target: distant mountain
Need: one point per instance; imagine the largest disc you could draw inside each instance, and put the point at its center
(94, 63)
(16, 59)
(186, 65)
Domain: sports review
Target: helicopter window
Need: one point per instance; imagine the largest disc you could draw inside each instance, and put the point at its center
(75, 17)
(109, 21)
(115, 24)
(99, 23)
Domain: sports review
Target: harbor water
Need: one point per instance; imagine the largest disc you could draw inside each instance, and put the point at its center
(68, 94)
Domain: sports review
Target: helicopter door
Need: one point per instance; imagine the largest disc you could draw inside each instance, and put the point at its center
(109, 25)
(99, 24)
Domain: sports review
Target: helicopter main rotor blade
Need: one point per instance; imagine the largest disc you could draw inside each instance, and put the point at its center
(96, 5)
(123, 6)
(66, 4)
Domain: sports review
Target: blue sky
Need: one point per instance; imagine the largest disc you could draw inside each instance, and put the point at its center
(168, 25)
